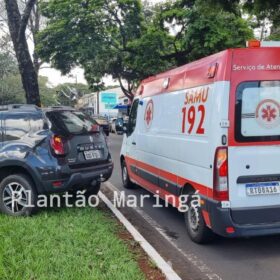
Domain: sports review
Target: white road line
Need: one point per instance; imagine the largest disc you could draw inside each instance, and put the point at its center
(192, 258)
(148, 248)
(111, 186)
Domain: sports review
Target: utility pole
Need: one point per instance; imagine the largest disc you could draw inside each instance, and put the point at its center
(98, 103)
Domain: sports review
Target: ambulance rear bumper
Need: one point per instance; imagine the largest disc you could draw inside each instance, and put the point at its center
(224, 220)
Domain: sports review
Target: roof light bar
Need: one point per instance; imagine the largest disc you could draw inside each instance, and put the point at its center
(257, 44)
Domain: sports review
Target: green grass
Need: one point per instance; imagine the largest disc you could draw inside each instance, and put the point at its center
(68, 244)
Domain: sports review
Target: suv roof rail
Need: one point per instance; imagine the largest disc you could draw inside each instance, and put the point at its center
(58, 107)
(18, 107)
(61, 106)
(3, 108)
(24, 106)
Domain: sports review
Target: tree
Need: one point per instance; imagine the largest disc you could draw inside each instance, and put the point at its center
(10, 86)
(47, 94)
(93, 34)
(265, 10)
(11, 90)
(183, 31)
(262, 11)
(130, 42)
(7, 65)
(17, 24)
(68, 94)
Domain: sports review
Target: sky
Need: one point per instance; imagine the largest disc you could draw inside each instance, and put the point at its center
(75, 76)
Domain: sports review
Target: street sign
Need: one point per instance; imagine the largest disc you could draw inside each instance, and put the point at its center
(109, 98)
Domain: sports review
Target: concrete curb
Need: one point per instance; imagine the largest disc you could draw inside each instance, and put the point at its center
(166, 269)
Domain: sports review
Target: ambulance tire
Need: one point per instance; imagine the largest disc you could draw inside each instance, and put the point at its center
(127, 184)
(196, 226)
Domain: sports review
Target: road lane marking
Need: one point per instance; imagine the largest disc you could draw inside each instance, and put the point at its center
(192, 258)
(166, 269)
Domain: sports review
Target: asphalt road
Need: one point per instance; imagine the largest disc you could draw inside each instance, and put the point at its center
(228, 259)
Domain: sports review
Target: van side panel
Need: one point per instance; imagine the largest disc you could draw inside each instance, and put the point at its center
(179, 145)
(190, 75)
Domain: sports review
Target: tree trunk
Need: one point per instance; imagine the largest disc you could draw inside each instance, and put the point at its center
(17, 26)
(35, 27)
(28, 74)
(127, 92)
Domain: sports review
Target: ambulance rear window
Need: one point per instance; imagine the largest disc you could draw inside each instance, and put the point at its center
(257, 115)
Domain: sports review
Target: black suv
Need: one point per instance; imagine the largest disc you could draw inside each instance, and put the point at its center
(47, 151)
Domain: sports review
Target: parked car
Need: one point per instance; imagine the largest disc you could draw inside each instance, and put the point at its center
(209, 131)
(103, 122)
(48, 151)
(119, 126)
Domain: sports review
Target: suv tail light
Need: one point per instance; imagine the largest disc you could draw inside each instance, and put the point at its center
(220, 191)
(58, 145)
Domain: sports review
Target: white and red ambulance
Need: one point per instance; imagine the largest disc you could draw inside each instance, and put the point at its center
(212, 127)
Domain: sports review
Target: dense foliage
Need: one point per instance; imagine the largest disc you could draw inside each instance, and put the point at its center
(130, 41)
(11, 90)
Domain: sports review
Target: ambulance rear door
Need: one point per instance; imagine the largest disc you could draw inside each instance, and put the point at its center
(254, 144)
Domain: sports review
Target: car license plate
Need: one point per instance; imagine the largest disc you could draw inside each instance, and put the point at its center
(263, 188)
(96, 154)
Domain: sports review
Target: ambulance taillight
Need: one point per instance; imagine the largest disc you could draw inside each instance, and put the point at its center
(220, 191)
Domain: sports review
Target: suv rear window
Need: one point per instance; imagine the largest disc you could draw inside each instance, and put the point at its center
(257, 115)
(73, 122)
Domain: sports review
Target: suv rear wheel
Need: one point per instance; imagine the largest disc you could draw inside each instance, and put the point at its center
(17, 194)
(125, 177)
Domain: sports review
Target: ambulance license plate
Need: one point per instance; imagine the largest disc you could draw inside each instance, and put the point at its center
(94, 154)
(263, 188)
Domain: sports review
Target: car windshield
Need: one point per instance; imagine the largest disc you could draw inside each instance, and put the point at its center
(73, 122)
(120, 121)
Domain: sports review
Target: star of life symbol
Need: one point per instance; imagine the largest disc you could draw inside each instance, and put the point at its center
(149, 114)
(268, 113)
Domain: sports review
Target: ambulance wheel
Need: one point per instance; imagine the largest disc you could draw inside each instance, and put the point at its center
(196, 227)
(125, 177)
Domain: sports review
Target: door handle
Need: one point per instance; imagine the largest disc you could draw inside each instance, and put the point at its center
(133, 143)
